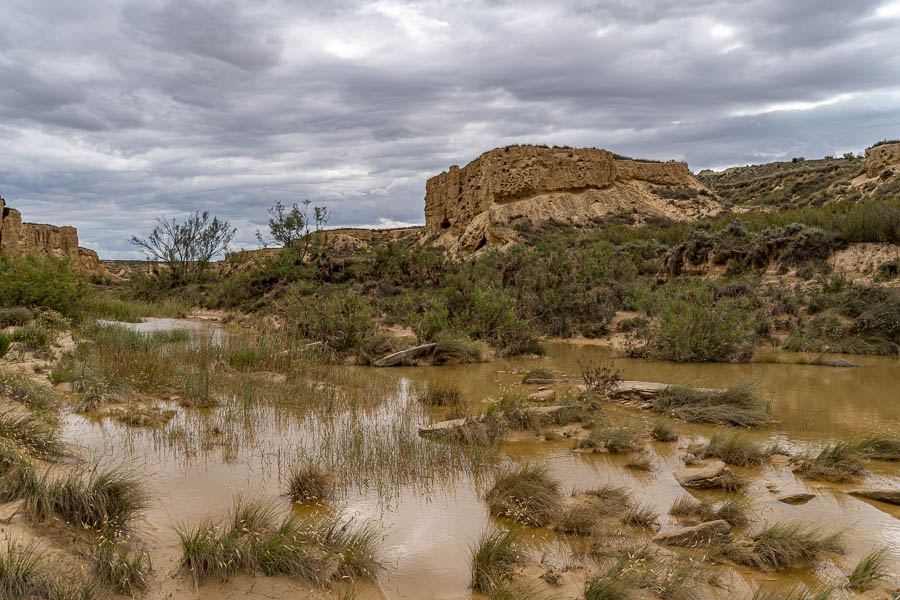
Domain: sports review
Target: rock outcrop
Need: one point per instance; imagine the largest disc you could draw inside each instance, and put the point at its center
(503, 191)
(881, 157)
(19, 239)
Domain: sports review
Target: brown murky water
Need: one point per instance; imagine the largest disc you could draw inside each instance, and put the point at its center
(428, 529)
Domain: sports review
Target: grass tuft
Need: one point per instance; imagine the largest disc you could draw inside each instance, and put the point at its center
(615, 438)
(26, 574)
(735, 448)
(739, 405)
(119, 564)
(839, 462)
(734, 510)
(663, 431)
(798, 592)
(879, 447)
(493, 556)
(525, 493)
(447, 395)
(871, 567)
(784, 546)
(311, 483)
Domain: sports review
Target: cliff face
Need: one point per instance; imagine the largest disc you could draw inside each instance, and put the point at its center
(485, 202)
(880, 158)
(18, 239)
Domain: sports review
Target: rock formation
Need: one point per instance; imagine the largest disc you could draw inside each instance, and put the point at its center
(881, 157)
(18, 239)
(487, 202)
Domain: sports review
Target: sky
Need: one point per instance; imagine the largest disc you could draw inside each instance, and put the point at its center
(115, 113)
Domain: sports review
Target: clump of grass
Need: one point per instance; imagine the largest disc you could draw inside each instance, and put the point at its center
(734, 510)
(102, 497)
(26, 574)
(615, 438)
(311, 483)
(662, 431)
(798, 592)
(739, 405)
(514, 591)
(33, 337)
(640, 516)
(871, 567)
(783, 546)
(118, 563)
(640, 461)
(879, 447)
(839, 462)
(525, 493)
(538, 374)
(5, 343)
(252, 540)
(734, 448)
(137, 415)
(455, 349)
(582, 516)
(493, 557)
(443, 395)
(34, 433)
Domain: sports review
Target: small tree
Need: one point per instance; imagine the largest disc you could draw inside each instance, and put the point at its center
(187, 248)
(294, 227)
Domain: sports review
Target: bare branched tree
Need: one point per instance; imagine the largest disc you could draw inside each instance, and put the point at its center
(187, 248)
(294, 227)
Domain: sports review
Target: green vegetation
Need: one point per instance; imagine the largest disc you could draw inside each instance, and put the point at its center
(25, 573)
(739, 405)
(869, 568)
(795, 593)
(783, 546)
(839, 462)
(879, 446)
(525, 493)
(253, 540)
(662, 431)
(17, 315)
(735, 448)
(119, 564)
(442, 395)
(614, 437)
(493, 556)
(32, 432)
(40, 281)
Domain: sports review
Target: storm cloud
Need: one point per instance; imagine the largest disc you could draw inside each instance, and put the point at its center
(115, 113)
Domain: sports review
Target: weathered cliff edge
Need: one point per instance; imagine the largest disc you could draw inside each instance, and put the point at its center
(18, 239)
(881, 157)
(490, 200)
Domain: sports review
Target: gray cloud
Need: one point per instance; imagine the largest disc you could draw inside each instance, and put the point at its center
(113, 114)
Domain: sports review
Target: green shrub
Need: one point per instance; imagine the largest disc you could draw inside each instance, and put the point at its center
(17, 315)
(40, 281)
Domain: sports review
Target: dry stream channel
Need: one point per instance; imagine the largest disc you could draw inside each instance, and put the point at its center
(429, 520)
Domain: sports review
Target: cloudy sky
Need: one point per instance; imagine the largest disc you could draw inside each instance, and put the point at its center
(114, 113)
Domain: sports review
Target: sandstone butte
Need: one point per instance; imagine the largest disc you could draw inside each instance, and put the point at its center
(18, 239)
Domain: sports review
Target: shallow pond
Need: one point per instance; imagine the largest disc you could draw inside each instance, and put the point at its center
(429, 524)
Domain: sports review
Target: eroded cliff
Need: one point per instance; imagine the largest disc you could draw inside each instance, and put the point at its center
(881, 157)
(490, 200)
(19, 239)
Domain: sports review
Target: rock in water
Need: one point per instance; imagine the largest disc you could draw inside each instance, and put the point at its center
(398, 357)
(701, 534)
(707, 476)
(798, 498)
(889, 496)
(542, 396)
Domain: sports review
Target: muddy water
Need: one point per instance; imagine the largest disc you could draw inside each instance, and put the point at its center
(427, 530)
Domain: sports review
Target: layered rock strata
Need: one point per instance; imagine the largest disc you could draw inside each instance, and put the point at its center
(506, 190)
(882, 157)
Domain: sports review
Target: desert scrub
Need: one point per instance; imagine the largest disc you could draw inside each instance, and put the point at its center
(493, 557)
(526, 493)
(26, 574)
(310, 483)
(839, 462)
(734, 510)
(252, 539)
(17, 315)
(692, 324)
(101, 497)
(442, 395)
(456, 349)
(615, 438)
(739, 405)
(784, 546)
(40, 281)
(119, 563)
(871, 567)
(735, 448)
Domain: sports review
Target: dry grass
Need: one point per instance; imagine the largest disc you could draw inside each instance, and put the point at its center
(311, 483)
(739, 405)
(734, 510)
(493, 557)
(26, 574)
(735, 448)
(663, 431)
(871, 567)
(784, 546)
(525, 493)
(443, 395)
(839, 462)
(615, 438)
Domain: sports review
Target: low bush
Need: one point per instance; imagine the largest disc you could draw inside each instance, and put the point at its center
(40, 281)
(17, 315)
